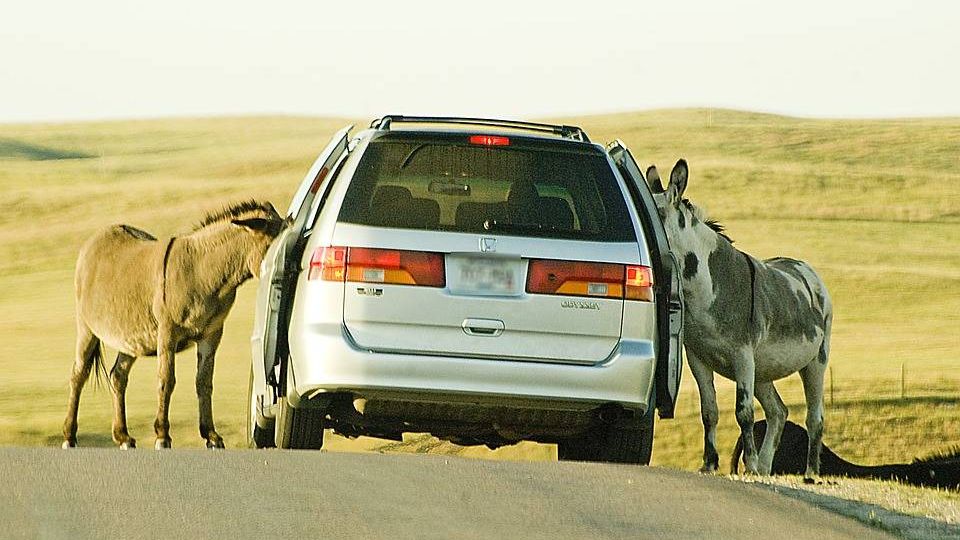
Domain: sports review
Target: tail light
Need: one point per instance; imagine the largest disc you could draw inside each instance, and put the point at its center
(573, 278)
(328, 264)
(369, 265)
(489, 140)
(638, 283)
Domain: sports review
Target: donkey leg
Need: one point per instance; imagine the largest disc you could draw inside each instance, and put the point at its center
(88, 349)
(206, 352)
(812, 377)
(166, 380)
(709, 413)
(776, 413)
(118, 384)
(744, 371)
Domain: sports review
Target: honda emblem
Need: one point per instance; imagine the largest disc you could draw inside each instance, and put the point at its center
(488, 245)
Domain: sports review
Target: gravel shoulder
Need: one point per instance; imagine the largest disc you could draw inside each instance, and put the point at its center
(907, 511)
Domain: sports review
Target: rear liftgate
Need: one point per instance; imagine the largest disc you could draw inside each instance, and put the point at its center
(668, 292)
(481, 304)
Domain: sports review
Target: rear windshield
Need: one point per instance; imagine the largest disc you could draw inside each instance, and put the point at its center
(518, 190)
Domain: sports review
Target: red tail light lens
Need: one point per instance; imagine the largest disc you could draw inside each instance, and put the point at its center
(575, 278)
(605, 280)
(395, 266)
(638, 284)
(328, 264)
(489, 140)
(369, 265)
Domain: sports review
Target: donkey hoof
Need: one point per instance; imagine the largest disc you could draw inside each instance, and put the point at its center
(68, 444)
(215, 445)
(128, 444)
(162, 444)
(812, 480)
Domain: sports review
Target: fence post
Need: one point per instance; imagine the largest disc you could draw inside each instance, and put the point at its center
(903, 380)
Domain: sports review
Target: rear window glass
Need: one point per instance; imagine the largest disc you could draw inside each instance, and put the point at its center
(518, 190)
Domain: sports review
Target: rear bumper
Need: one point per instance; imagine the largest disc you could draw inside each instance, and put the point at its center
(324, 359)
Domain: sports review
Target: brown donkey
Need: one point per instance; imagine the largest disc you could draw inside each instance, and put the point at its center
(144, 297)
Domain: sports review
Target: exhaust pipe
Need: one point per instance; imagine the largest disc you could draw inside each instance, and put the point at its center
(613, 413)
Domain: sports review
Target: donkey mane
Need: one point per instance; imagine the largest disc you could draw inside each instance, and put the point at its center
(233, 211)
(701, 215)
(950, 454)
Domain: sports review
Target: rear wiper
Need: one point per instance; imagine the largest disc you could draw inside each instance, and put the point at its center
(406, 160)
(494, 225)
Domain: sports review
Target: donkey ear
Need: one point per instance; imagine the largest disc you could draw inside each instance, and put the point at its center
(256, 224)
(678, 180)
(653, 179)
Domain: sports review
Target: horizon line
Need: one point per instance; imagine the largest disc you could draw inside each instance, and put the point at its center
(535, 117)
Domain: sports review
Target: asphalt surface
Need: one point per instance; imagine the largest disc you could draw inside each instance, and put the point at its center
(181, 494)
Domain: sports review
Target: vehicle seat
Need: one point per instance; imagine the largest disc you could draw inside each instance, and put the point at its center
(556, 213)
(471, 215)
(523, 203)
(420, 213)
(388, 202)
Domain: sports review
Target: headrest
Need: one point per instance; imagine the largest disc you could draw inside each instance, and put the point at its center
(522, 194)
(389, 194)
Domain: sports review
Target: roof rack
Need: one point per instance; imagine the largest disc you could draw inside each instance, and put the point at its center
(569, 132)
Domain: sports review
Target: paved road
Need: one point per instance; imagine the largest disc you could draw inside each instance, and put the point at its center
(186, 494)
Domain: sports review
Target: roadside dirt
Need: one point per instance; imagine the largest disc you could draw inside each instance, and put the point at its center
(907, 511)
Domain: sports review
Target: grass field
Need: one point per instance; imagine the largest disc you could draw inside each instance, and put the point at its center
(873, 205)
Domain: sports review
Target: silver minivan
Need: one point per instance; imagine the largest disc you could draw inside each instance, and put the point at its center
(485, 281)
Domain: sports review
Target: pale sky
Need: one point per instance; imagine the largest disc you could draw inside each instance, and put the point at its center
(67, 60)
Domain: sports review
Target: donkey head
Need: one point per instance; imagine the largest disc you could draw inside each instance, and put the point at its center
(259, 224)
(676, 212)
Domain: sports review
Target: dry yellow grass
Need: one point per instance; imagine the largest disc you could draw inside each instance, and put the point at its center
(874, 205)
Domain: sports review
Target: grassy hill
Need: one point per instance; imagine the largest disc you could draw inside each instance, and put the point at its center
(874, 205)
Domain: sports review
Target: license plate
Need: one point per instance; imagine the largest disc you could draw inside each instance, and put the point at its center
(486, 277)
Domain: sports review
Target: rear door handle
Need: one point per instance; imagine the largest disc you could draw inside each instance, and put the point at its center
(482, 327)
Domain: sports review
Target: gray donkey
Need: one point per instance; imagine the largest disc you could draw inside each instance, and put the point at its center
(144, 297)
(751, 321)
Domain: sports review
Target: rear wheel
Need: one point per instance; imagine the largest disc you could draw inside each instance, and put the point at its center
(625, 441)
(299, 427)
(260, 429)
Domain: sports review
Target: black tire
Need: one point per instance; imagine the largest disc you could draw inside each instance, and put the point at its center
(625, 441)
(300, 428)
(260, 429)
(646, 437)
(262, 437)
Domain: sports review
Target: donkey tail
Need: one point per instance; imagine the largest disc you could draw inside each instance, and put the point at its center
(735, 457)
(99, 368)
